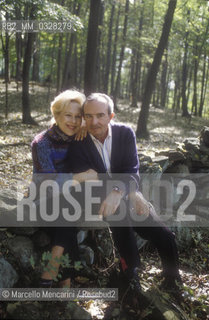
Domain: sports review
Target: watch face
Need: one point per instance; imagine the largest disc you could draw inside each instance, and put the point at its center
(116, 188)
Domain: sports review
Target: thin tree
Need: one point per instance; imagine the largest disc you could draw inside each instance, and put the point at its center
(59, 57)
(136, 69)
(185, 112)
(26, 112)
(109, 45)
(36, 58)
(115, 51)
(142, 131)
(100, 58)
(204, 82)
(117, 85)
(91, 50)
(30, 11)
(5, 48)
(164, 81)
(59, 62)
(18, 47)
(67, 76)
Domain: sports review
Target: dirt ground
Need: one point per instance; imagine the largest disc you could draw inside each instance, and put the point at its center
(166, 132)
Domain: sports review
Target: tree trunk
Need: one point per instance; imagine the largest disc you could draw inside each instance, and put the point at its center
(117, 85)
(66, 72)
(36, 56)
(91, 50)
(5, 47)
(50, 76)
(81, 67)
(185, 112)
(67, 75)
(18, 46)
(26, 113)
(18, 43)
(189, 81)
(7, 78)
(167, 91)
(59, 62)
(164, 81)
(115, 52)
(142, 131)
(203, 85)
(109, 46)
(136, 77)
(132, 73)
(59, 58)
(177, 94)
(100, 57)
(194, 99)
(143, 80)
(158, 92)
(75, 63)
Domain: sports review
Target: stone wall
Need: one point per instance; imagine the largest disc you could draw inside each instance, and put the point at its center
(189, 160)
(18, 245)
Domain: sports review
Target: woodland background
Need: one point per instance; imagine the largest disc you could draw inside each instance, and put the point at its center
(151, 51)
(151, 56)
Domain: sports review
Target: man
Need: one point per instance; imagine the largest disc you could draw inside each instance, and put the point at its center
(110, 148)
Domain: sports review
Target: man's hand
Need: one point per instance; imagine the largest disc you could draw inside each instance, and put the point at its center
(139, 203)
(110, 204)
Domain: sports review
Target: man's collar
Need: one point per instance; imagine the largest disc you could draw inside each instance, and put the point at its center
(109, 134)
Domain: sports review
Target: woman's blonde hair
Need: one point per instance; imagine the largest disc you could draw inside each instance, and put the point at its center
(65, 98)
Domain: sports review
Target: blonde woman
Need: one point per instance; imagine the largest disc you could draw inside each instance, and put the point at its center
(49, 149)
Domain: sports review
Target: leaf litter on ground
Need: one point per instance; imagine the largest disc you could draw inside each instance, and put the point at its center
(166, 132)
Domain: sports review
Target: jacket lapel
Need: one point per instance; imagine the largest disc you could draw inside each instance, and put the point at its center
(94, 155)
(114, 147)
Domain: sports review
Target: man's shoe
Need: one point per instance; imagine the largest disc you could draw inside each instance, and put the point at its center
(135, 296)
(174, 287)
(170, 283)
(133, 280)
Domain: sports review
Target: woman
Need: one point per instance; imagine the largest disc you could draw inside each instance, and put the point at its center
(49, 149)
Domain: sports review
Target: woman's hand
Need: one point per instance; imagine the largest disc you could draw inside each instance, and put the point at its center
(82, 133)
(86, 175)
(91, 175)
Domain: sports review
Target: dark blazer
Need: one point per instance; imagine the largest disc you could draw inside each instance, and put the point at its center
(83, 155)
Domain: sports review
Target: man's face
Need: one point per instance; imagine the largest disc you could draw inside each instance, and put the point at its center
(97, 118)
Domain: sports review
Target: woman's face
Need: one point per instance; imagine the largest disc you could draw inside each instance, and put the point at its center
(69, 120)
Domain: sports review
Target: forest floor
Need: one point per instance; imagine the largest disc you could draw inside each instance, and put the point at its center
(165, 133)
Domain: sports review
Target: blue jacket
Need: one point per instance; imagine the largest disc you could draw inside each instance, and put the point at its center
(83, 155)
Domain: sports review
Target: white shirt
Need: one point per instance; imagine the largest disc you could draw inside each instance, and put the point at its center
(105, 149)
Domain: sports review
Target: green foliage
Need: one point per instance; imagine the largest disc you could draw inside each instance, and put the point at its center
(191, 22)
(46, 265)
(32, 262)
(77, 265)
(41, 9)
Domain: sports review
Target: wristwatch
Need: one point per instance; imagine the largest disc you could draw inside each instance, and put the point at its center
(116, 188)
